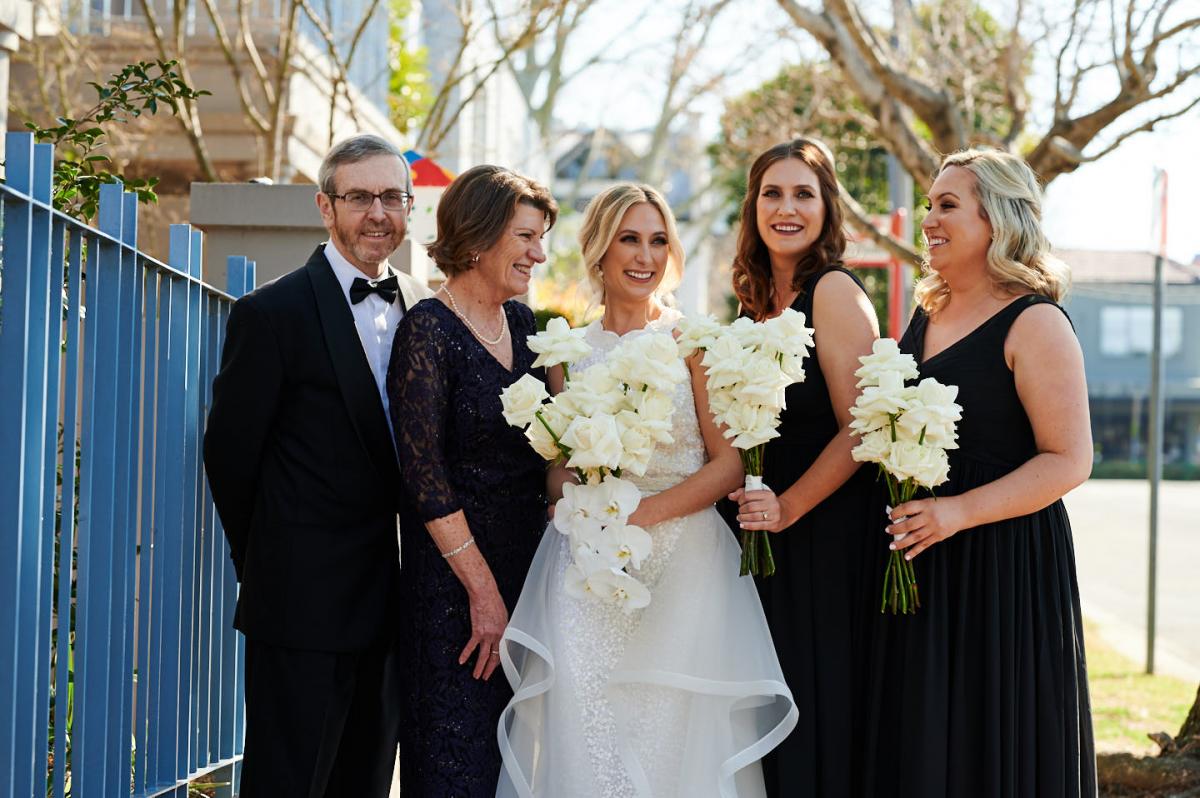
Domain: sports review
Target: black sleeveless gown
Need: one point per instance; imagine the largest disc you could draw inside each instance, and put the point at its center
(810, 602)
(984, 691)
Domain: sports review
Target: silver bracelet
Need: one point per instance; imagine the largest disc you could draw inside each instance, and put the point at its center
(469, 543)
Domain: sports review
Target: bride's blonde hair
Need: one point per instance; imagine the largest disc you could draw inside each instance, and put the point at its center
(1018, 259)
(601, 220)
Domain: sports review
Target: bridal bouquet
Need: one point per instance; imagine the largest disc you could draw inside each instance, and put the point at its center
(907, 430)
(604, 424)
(749, 366)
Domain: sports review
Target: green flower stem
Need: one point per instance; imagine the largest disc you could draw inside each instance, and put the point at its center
(566, 453)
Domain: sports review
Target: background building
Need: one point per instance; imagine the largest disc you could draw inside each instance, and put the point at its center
(1110, 304)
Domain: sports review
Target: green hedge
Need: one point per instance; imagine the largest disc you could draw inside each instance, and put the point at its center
(1124, 469)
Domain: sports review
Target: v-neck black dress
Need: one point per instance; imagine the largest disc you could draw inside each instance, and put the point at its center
(457, 453)
(984, 691)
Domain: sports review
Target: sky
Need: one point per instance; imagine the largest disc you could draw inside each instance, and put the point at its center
(1102, 205)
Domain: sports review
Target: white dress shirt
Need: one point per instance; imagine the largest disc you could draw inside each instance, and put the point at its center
(375, 319)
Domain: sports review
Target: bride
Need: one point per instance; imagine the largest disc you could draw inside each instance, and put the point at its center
(683, 697)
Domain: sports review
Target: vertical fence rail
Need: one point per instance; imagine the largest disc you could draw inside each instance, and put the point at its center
(119, 671)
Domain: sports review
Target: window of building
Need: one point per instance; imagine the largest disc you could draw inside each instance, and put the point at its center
(1127, 330)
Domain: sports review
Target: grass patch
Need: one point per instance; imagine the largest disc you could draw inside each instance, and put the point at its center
(1127, 704)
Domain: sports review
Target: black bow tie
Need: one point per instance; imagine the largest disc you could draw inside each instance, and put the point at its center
(386, 288)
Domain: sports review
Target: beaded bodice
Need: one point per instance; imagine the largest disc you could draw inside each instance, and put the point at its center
(670, 463)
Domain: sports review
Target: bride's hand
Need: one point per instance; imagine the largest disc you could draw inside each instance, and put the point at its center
(759, 509)
(489, 616)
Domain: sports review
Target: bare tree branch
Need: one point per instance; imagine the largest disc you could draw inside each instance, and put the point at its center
(189, 119)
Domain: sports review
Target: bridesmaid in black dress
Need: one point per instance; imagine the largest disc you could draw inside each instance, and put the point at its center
(789, 254)
(984, 691)
(471, 478)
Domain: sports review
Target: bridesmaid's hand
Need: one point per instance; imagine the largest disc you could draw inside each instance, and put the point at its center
(759, 509)
(917, 525)
(489, 616)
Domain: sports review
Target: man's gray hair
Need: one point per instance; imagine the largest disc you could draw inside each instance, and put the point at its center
(355, 149)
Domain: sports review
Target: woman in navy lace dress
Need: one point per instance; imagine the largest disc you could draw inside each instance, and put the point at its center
(470, 477)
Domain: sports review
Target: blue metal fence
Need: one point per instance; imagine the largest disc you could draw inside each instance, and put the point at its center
(119, 671)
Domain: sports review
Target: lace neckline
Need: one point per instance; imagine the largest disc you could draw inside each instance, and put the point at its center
(666, 321)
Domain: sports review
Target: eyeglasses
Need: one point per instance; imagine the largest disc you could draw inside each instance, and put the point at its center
(391, 200)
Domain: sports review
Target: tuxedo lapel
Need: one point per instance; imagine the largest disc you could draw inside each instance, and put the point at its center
(354, 376)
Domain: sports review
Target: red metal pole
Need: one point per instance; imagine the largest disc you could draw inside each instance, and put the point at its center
(896, 281)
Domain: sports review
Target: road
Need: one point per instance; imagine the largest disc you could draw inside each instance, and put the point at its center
(1110, 520)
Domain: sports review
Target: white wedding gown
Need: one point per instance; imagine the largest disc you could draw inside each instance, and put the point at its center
(676, 700)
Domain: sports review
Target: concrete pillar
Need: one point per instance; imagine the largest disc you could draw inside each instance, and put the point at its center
(16, 23)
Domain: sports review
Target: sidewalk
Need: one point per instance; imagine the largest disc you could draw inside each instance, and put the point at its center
(1110, 522)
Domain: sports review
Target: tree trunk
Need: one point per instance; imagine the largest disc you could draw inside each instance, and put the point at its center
(1191, 724)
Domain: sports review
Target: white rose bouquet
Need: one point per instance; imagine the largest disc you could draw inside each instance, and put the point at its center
(605, 423)
(907, 430)
(749, 366)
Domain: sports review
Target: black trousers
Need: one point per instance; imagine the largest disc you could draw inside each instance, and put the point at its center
(319, 724)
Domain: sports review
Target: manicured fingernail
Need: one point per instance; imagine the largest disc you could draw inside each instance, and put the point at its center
(888, 507)
(908, 556)
(892, 546)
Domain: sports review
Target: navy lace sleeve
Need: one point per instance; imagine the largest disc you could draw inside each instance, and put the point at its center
(419, 391)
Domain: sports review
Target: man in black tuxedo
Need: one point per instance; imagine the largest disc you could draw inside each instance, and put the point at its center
(299, 456)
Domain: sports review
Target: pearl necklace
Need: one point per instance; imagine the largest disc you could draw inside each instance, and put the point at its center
(471, 327)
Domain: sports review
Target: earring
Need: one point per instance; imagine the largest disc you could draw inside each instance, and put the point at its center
(476, 258)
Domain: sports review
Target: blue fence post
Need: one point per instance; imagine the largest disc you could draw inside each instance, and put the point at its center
(70, 487)
(170, 470)
(146, 680)
(98, 685)
(125, 507)
(14, 363)
(189, 529)
(55, 426)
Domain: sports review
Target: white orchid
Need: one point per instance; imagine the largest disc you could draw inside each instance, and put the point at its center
(608, 584)
(624, 544)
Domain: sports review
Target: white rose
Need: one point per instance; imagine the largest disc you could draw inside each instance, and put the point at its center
(888, 396)
(926, 465)
(652, 360)
(697, 332)
(723, 362)
(636, 440)
(594, 390)
(931, 405)
(522, 399)
(762, 382)
(793, 367)
(558, 344)
(873, 448)
(539, 436)
(719, 402)
(885, 357)
(594, 442)
(904, 459)
(746, 332)
(788, 333)
(934, 468)
(655, 409)
(868, 420)
(750, 425)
